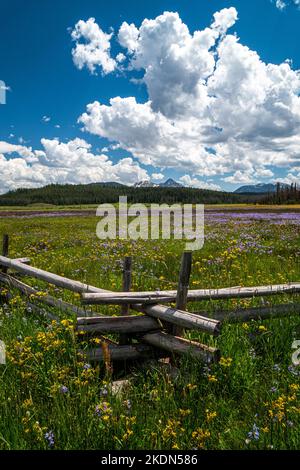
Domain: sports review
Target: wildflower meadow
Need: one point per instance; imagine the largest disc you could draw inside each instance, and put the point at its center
(51, 397)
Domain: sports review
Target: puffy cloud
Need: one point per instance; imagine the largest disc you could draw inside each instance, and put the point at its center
(157, 176)
(293, 176)
(174, 61)
(241, 177)
(264, 173)
(128, 36)
(249, 176)
(214, 108)
(224, 19)
(120, 57)
(186, 180)
(58, 162)
(6, 147)
(150, 136)
(94, 51)
(282, 4)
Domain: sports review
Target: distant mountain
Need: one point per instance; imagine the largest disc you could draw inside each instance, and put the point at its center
(170, 183)
(259, 188)
(110, 184)
(145, 184)
(99, 193)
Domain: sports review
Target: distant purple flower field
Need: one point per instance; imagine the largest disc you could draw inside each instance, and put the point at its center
(248, 217)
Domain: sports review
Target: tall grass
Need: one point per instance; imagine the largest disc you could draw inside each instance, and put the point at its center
(51, 398)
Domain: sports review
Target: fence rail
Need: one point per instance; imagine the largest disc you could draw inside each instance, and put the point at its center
(157, 330)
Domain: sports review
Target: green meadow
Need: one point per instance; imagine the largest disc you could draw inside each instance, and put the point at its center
(52, 398)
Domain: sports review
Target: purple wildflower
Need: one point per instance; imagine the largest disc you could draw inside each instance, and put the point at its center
(104, 391)
(254, 433)
(98, 411)
(49, 437)
(63, 389)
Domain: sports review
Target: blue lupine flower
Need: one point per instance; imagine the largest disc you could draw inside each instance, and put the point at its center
(104, 391)
(98, 411)
(254, 434)
(49, 437)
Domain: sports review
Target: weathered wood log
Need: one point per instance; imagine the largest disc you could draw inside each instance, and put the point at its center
(126, 286)
(184, 279)
(122, 324)
(152, 297)
(181, 346)
(5, 246)
(146, 296)
(120, 352)
(46, 299)
(174, 316)
(244, 292)
(183, 287)
(246, 314)
(59, 281)
(124, 298)
(183, 319)
(22, 260)
(126, 281)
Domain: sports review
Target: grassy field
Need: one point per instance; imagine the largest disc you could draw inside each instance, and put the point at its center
(51, 398)
(90, 207)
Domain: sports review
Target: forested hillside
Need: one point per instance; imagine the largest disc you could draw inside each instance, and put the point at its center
(98, 193)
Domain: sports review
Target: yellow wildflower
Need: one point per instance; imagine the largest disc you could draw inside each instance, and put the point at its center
(226, 362)
(210, 415)
(212, 378)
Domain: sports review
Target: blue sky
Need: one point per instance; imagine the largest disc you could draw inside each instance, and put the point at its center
(43, 81)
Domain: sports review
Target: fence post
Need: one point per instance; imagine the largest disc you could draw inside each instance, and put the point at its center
(5, 246)
(183, 287)
(126, 286)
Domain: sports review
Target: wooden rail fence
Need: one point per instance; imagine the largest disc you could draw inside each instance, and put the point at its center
(157, 330)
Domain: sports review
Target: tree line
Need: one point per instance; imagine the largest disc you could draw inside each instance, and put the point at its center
(98, 193)
(284, 194)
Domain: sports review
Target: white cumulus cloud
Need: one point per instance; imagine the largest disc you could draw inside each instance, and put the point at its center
(94, 50)
(214, 106)
(224, 19)
(187, 180)
(58, 162)
(128, 36)
(157, 176)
